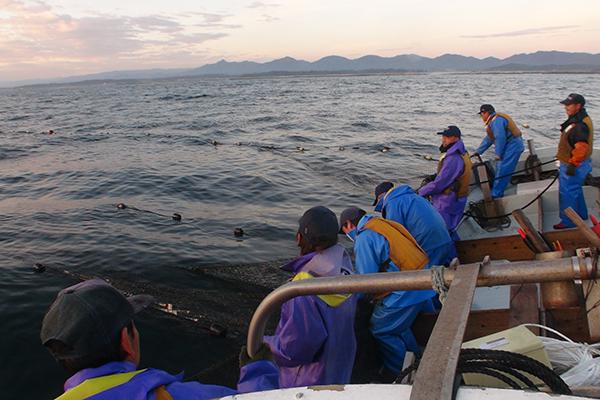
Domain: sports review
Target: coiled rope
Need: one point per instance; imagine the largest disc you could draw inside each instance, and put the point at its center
(508, 367)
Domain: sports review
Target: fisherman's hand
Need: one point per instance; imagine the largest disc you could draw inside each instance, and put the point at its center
(476, 154)
(571, 169)
(498, 158)
(263, 353)
(596, 225)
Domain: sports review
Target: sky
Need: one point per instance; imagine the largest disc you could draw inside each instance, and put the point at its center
(48, 39)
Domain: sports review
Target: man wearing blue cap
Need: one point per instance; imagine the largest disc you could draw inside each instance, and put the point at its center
(386, 246)
(450, 187)
(89, 329)
(574, 152)
(504, 134)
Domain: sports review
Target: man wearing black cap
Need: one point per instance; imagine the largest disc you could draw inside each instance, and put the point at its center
(314, 343)
(450, 188)
(574, 151)
(504, 134)
(386, 246)
(89, 329)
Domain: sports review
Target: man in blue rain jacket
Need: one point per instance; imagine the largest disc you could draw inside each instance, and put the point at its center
(394, 312)
(89, 329)
(504, 134)
(417, 215)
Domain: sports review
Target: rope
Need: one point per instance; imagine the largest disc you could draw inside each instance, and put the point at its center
(470, 214)
(438, 284)
(503, 365)
(516, 361)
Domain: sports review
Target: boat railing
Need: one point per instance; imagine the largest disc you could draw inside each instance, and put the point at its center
(464, 279)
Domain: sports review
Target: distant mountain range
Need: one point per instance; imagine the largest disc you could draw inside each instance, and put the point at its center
(541, 61)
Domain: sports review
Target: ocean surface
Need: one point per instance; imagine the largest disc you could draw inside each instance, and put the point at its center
(251, 153)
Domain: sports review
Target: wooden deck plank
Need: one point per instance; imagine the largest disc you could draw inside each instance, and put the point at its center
(512, 248)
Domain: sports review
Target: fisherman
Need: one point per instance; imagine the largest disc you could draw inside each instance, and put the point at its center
(574, 151)
(450, 186)
(89, 329)
(504, 134)
(314, 343)
(417, 215)
(386, 246)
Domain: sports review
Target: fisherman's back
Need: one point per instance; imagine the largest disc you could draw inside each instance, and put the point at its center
(424, 223)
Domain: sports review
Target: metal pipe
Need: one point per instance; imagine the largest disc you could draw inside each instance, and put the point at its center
(492, 274)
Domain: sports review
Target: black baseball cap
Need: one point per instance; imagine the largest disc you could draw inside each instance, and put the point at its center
(486, 108)
(319, 224)
(352, 214)
(574, 98)
(383, 187)
(451, 130)
(88, 317)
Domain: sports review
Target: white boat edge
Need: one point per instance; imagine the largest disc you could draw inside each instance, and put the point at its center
(390, 392)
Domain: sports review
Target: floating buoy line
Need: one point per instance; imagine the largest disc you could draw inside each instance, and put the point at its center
(237, 232)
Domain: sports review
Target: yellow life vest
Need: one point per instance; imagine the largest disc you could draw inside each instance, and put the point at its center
(565, 148)
(512, 126)
(332, 300)
(462, 182)
(405, 252)
(93, 386)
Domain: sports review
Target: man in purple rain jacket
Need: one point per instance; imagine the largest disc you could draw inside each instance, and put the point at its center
(89, 329)
(450, 187)
(314, 343)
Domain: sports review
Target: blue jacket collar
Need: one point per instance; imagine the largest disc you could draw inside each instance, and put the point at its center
(457, 147)
(401, 190)
(363, 221)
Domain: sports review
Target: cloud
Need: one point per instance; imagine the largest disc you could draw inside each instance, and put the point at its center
(268, 18)
(35, 34)
(260, 4)
(523, 32)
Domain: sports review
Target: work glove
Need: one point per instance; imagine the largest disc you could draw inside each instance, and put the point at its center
(595, 226)
(263, 353)
(571, 169)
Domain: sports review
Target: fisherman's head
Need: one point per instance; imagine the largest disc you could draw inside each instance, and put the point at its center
(573, 104)
(485, 111)
(317, 230)
(349, 219)
(90, 324)
(380, 191)
(449, 136)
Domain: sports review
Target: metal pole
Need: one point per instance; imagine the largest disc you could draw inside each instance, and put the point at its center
(493, 274)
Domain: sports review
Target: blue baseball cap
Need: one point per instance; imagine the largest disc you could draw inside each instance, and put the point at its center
(451, 130)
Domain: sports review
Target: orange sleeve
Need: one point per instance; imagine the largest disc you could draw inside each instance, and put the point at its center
(578, 153)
